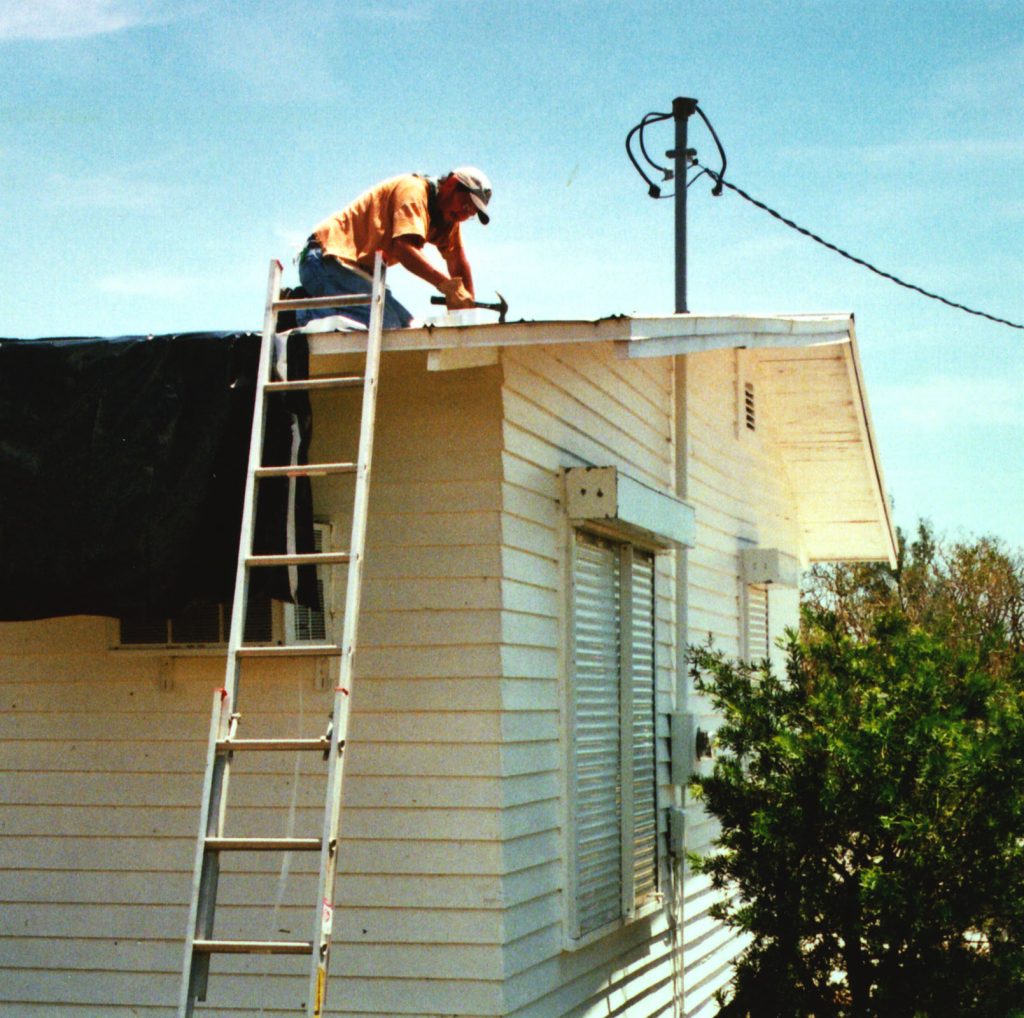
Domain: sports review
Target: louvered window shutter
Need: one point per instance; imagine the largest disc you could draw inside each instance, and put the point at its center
(613, 736)
(597, 800)
(758, 640)
(645, 822)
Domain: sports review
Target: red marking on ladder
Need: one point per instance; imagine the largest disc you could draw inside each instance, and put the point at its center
(341, 689)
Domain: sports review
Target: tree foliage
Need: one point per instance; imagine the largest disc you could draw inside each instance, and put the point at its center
(968, 594)
(871, 801)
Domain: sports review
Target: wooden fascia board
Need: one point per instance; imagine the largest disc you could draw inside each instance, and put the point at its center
(683, 326)
(653, 336)
(682, 335)
(650, 336)
(869, 443)
(676, 345)
(465, 336)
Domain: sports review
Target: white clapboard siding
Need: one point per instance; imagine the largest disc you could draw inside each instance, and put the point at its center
(624, 974)
(563, 407)
(740, 493)
(101, 756)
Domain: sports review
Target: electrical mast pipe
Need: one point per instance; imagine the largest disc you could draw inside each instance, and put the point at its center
(682, 110)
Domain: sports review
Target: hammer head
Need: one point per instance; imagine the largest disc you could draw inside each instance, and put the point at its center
(501, 307)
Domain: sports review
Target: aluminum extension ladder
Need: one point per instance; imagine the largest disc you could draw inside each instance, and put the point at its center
(200, 942)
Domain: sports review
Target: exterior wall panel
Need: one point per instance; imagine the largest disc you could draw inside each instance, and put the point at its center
(565, 407)
(739, 490)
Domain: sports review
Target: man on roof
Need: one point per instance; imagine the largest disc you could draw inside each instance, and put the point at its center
(397, 217)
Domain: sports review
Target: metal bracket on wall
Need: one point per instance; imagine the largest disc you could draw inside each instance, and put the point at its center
(677, 830)
(321, 674)
(690, 745)
(683, 747)
(165, 674)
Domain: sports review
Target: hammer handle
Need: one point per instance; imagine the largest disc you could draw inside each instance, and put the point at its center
(476, 304)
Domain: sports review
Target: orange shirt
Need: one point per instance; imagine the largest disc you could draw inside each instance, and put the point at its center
(394, 208)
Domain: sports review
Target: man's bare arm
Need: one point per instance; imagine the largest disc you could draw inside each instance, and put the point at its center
(410, 257)
(458, 265)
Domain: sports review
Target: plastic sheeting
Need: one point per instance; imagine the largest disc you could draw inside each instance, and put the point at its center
(122, 474)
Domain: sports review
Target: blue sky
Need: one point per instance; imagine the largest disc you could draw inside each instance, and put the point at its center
(155, 155)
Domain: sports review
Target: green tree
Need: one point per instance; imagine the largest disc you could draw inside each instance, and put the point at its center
(872, 799)
(965, 593)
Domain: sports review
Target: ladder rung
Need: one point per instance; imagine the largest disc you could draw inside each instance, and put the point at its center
(305, 650)
(297, 303)
(263, 844)
(325, 558)
(306, 470)
(305, 384)
(321, 744)
(253, 946)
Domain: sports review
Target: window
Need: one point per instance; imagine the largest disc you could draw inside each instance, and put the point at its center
(769, 601)
(613, 793)
(208, 624)
(204, 623)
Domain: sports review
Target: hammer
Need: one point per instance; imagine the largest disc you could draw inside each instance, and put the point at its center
(501, 307)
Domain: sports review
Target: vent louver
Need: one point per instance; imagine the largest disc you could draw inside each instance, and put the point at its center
(749, 410)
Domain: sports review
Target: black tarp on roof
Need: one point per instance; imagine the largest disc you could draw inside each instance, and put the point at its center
(122, 473)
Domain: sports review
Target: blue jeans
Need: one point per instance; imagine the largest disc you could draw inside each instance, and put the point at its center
(322, 276)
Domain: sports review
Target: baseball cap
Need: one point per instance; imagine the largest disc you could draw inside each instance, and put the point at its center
(479, 187)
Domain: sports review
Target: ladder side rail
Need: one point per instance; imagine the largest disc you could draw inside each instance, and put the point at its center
(245, 537)
(214, 802)
(200, 916)
(317, 994)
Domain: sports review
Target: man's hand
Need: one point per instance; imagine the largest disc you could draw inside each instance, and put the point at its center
(456, 295)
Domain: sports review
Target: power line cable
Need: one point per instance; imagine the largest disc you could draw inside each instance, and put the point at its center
(650, 118)
(721, 182)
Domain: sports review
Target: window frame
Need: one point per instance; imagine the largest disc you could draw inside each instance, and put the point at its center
(172, 648)
(630, 907)
(770, 575)
(281, 619)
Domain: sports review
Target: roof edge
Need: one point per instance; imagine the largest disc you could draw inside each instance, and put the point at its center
(871, 444)
(648, 336)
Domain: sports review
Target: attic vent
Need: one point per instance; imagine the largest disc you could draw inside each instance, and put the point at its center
(749, 415)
